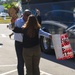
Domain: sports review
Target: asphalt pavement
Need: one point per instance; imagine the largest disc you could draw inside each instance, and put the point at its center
(49, 65)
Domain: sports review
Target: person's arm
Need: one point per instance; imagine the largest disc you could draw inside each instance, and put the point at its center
(10, 27)
(18, 30)
(45, 34)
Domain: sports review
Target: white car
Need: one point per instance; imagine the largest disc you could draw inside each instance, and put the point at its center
(3, 14)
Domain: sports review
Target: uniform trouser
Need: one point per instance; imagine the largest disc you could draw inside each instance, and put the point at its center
(32, 58)
(20, 61)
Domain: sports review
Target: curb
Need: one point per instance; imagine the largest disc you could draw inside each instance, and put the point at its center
(3, 24)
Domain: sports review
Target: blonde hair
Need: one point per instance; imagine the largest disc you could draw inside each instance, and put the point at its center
(32, 24)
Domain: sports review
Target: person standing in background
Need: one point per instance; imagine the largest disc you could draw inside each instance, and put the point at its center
(38, 15)
(13, 11)
(18, 37)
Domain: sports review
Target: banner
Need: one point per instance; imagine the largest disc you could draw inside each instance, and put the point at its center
(62, 47)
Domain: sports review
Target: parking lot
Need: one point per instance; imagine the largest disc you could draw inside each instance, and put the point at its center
(49, 65)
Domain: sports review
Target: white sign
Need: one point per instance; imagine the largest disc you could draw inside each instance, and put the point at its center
(62, 46)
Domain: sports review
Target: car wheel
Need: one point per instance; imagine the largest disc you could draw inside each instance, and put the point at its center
(45, 44)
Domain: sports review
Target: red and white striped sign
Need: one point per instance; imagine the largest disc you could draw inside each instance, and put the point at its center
(62, 47)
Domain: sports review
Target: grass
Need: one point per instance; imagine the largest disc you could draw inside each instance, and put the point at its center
(2, 21)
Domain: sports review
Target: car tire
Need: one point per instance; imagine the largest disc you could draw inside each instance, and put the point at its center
(45, 44)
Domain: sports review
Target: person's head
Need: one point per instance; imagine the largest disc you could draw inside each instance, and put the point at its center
(32, 24)
(13, 11)
(26, 13)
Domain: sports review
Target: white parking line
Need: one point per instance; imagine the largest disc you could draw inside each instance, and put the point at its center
(6, 73)
(7, 65)
(9, 72)
(3, 35)
(42, 72)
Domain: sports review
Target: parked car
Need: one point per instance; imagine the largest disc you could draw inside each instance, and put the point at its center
(3, 14)
(58, 27)
(55, 27)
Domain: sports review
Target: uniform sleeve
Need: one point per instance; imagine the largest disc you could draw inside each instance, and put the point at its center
(43, 33)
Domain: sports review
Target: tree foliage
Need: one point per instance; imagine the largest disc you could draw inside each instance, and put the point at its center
(9, 5)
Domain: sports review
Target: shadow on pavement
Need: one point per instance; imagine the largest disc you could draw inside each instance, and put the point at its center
(69, 62)
(1, 44)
